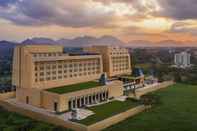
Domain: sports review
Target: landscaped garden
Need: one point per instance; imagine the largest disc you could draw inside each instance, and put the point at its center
(108, 110)
(177, 111)
(74, 87)
(10, 121)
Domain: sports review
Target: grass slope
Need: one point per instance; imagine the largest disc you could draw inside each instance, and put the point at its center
(74, 87)
(107, 110)
(177, 112)
(10, 121)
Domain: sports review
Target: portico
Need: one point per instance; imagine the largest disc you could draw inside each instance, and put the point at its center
(82, 101)
(81, 98)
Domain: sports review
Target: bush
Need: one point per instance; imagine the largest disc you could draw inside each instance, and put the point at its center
(150, 99)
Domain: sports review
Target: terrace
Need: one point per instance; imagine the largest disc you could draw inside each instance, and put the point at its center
(74, 87)
(108, 110)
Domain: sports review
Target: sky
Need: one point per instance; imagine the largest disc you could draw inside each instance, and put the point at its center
(152, 20)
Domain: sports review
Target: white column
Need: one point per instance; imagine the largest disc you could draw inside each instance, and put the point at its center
(71, 104)
(99, 99)
(80, 102)
(76, 106)
(84, 103)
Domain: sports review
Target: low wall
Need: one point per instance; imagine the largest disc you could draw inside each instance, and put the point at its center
(8, 95)
(76, 126)
(116, 119)
(141, 92)
(72, 125)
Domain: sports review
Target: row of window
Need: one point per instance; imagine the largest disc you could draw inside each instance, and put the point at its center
(64, 76)
(120, 63)
(63, 71)
(66, 64)
(46, 71)
(119, 53)
(120, 58)
(54, 54)
(120, 69)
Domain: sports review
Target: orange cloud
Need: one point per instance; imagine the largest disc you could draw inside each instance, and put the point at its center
(152, 20)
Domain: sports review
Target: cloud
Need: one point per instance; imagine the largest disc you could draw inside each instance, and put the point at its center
(179, 9)
(107, 2)
(176, 9)
(184, 27)
(73, 13)
(125, 18)
(140, 6)
(5, 3)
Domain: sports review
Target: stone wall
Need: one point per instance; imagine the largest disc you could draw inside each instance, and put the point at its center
(4, 96)
(72, 125)
(166, 84)
(116, 119)
(79, 127)
(43, 117)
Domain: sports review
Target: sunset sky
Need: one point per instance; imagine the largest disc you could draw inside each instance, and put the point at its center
(152, 20)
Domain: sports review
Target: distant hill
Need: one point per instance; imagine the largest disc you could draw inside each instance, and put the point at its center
(77, 42)
(6, 48)
(164, 43)
(140, 43)
(39, 40)
(7, 44)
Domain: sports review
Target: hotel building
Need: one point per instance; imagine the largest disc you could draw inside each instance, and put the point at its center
(116, 60)
(46, 77)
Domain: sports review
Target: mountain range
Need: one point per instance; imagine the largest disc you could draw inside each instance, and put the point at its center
(77, 42)
(89, 40)
(6, 47)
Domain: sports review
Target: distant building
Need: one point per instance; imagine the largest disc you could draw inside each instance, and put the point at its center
(182, 60)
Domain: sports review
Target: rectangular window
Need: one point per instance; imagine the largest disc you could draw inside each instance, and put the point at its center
(55, 106)
(41, 79)
(27, 99)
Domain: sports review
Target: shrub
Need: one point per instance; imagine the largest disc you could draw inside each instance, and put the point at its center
(150, 99)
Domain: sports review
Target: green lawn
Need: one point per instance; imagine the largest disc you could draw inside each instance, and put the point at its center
(177, 112)
(74, 87)
(107, 110)
(10, 121)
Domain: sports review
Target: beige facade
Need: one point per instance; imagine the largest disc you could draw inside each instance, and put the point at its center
(47, 67)
(116, 60)
(40, 67)
(81, 98)
(30, 96)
